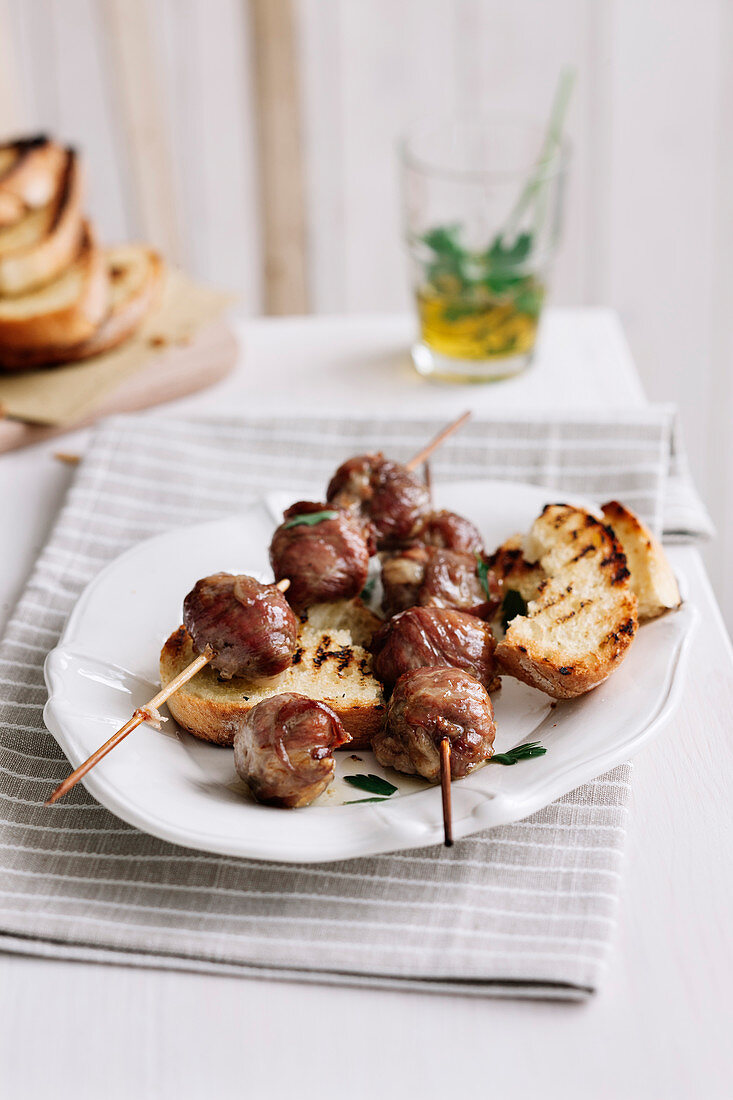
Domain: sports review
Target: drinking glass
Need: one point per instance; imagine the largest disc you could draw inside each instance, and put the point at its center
(482, 210)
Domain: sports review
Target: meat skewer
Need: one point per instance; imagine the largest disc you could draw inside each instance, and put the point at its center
(324, 553)
(224, 613)
(149, 712)
(387, 494)
(429, 707)
(284, 749)
(434, 637)
(430, 576)
(446, 792)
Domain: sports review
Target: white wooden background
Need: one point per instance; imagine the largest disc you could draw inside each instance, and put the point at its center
(182, 107)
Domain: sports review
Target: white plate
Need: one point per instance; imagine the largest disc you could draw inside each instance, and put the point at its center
(183, 790)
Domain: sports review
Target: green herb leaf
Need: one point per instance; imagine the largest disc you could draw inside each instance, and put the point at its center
(358, 801)
(444, 240)
(503, 256)
(368, 590)
(512, 605)
(519, 752)
(482, 572)
(372, 783)
(309, 519)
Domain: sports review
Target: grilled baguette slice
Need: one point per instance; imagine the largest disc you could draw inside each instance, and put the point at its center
(43, 243)
(513, 571)
(30, 175)
(652, 578)
(580, 625)
(135, 276)
(327, 666)
(352, 615)
(63, 312)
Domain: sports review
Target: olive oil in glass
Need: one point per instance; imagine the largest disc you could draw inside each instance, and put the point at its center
(482, 206)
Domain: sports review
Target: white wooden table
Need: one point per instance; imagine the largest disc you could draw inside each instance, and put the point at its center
(658, 1028)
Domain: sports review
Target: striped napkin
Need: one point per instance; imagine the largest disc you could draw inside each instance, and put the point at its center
(523, 910)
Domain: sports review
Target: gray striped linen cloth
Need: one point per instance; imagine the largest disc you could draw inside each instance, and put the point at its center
(523, 910)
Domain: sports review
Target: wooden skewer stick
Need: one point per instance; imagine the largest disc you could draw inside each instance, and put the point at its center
(445, 791)
(146, 713)
(427, 474)
(434, 443)
(142, 714)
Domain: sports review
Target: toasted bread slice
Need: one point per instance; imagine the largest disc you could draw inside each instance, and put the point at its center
(42, 244)
(326, 666)
(652, 578)
(352, 615)
(135, 277)
(513, 571)
(63, 312)
(580, 625)
(30, 173)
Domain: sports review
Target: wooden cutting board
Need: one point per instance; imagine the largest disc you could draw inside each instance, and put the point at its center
(176, 372)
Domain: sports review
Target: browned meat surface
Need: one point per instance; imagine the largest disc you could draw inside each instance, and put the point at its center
(250, 626)
(284, 749)
(425, 637)
(403, 574)
(390, 495)
(433, 577)
(328, 560)
(427, 705)
(449, 531)
(451, 580)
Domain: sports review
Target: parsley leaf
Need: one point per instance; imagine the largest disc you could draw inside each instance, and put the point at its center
(482, 572)
(372, 783)
(512, 605)
(309, 519)
(519, 752)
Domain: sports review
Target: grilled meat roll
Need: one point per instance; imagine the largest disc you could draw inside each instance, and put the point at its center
(434, 637)
(283, 749)
(427, 705)
(388, 494)
(433, 577)
(327, 559)
(250, 626)
(449, 531)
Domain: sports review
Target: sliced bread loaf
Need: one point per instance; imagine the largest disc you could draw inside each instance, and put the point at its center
(135, 276)
(327, 666)
(652, 579)
(44, 242)
(61, 313)
(583, 619)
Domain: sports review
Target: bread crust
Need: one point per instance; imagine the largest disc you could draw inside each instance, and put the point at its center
(121, 322)
(652, 578)
(72, 322)
(533, 667)
(218, 719)
(32, 179)
(25, 269)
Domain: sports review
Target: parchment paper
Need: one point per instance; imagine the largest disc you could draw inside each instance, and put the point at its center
(66, 394)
